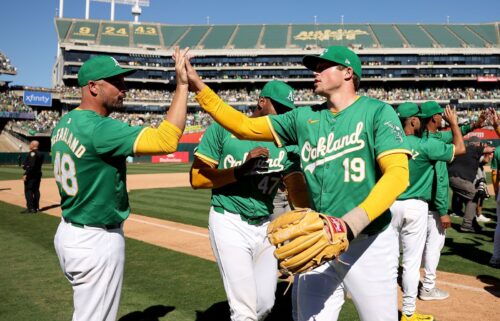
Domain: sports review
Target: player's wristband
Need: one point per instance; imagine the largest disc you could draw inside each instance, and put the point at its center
(349, 233)
(356, 219)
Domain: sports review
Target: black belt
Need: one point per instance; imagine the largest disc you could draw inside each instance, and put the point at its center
(423, 199)
(103, 226)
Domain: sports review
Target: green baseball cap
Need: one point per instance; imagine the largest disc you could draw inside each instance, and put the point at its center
(408, 109)
(337, 54)
(431, 108)
(280, 92)
(100, 67)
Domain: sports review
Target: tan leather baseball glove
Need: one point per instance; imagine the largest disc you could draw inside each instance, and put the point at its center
(305, 239)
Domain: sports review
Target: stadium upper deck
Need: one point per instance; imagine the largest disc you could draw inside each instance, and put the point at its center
(247, 56)
(5, 65)
(292, 36)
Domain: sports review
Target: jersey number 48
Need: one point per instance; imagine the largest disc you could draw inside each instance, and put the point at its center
(65, 173)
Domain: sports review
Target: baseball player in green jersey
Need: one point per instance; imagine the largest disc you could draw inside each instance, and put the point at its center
(354, 156)
(438, 219)
(410, 211)
(244, 177)
(89, 151)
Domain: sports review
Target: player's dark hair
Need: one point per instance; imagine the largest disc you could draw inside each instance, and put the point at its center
(355, 77)
(425, 122)
(280, 108)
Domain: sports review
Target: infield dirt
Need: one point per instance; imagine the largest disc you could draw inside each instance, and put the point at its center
(471, 298)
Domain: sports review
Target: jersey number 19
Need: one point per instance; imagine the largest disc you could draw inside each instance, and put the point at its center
(354, 169)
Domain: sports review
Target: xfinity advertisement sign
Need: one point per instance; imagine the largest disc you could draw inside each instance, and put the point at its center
(37, 98)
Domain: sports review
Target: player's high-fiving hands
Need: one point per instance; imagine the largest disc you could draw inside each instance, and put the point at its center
(180, 57)
(450, 115)
(195, 82)
(493, 116)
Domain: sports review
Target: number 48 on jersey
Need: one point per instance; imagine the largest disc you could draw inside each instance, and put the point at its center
(65, 173)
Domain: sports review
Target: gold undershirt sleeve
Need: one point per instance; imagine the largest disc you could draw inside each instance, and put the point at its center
(238, 124)
(204, 174)
(163, 139)
(394, 181)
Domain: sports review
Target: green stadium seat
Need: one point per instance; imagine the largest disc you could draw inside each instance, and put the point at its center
(472, 39)
(144, 34)
(358, 35)
(275, 36)
(115, 34)
(487, 32)
(308, 35)
(62, 27)
(84, 30)
(246, 37)
(218, 37)
(193, 37)
(415, 36)
(443, 36)
(388, 36)
(325, 35)
(172, 33)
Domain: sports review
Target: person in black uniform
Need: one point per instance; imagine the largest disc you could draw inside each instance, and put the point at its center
(462, 172)
(32, 176)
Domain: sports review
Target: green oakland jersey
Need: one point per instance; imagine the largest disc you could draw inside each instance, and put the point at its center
(88, 154)
(252, 196)
(440, 185)
(425, 152)
(339, 152)
(446, 136)
(495, 162)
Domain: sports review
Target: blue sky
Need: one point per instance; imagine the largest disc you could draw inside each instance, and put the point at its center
(28, 36)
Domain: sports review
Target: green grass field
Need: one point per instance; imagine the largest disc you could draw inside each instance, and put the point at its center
(158, 285)
(8, 172)
(161, 284)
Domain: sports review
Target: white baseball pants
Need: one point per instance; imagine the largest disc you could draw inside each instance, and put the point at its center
(433, 246)
(367, 270)
(247, 265)
(409, 218)
(92, 260)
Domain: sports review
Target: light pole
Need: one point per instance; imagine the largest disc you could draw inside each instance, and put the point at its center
(316, 35)
(342, 30)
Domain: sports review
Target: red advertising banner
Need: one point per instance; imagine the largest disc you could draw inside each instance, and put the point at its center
(483, 133)
(177, 157)
(487, 79)
(191, 138)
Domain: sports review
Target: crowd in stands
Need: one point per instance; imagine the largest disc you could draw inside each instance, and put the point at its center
(10, 102)
(5, 65)
(165, 63)
(45, 120)
(307, 95)
(199, 119)
(43, 123)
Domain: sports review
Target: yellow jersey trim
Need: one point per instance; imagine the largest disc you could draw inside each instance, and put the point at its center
(206, 158)
(394, 151)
